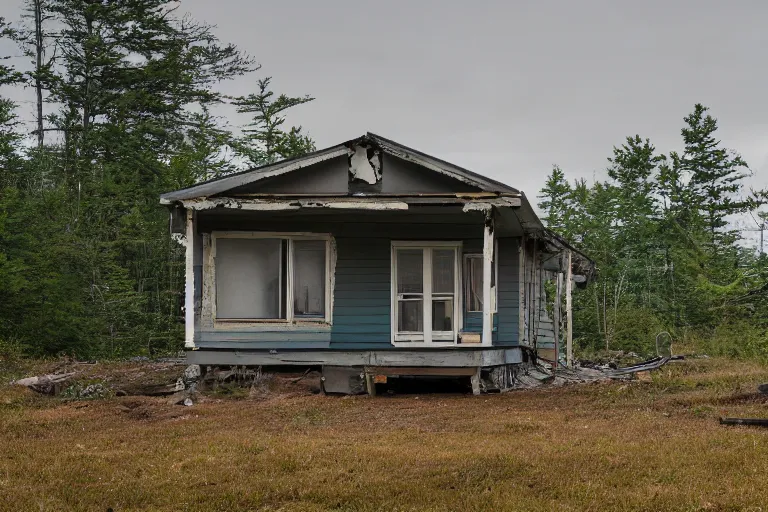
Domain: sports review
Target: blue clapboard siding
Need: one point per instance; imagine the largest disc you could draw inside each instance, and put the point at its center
(361, 305)
(509, 292)
(261, 338)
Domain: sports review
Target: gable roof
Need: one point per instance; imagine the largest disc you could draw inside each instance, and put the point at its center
(231, 181)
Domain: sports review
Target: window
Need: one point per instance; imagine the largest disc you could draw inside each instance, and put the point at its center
(473, 285)
(473, 282)
(425, 292)
(269, 277)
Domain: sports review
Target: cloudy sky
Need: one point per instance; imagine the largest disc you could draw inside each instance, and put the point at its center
(509, 88)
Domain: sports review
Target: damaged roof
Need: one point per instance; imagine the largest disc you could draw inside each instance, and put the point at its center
(225, 183)
(488, 192)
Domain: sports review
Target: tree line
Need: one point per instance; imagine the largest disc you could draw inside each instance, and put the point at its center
(124, 94)
(662, 231)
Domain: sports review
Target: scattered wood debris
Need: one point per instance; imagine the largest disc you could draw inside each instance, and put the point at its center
(536, 375)
(46, 384)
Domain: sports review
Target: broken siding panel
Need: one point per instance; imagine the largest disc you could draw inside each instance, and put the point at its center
(508, 290)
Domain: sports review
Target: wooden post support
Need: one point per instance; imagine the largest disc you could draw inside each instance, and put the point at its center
(475, 380)
(487, 266)
(189, 285)
(370, 385)
(557, 312)
(568, 312)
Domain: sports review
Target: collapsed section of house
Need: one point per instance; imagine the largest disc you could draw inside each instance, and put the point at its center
(373, 259)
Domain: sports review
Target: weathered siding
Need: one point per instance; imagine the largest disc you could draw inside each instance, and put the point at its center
(361, 304)
(329, 177)
(509, 291)
(400, 176)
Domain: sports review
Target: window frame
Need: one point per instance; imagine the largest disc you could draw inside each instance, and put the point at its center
(427, 338)
(290, 319)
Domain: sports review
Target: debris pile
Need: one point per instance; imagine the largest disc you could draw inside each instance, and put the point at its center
(537, 375)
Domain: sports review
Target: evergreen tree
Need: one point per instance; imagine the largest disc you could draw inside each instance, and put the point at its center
(555, 202)
(716, 175)
(264, 140)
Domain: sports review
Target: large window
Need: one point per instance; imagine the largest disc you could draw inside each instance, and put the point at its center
(425, 292)
(265, 277)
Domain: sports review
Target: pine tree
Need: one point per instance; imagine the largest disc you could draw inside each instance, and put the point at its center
(555, 202)
(264, 140)
(716, 175)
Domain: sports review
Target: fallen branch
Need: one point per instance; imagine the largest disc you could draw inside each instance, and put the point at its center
(754, 422)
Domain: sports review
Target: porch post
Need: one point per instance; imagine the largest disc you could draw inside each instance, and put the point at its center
(568, 313)
(487, 266)
(189, 285)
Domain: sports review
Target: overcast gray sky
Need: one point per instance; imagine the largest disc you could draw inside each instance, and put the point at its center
(508, 88)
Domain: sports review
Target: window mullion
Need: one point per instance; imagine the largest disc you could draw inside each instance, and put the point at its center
(427, 283)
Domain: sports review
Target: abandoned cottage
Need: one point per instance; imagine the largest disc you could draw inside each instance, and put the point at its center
(372, 260)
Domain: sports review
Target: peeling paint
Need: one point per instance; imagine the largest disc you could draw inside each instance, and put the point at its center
(363, 168)
(267, 205)
(179, 239)
(477, 207)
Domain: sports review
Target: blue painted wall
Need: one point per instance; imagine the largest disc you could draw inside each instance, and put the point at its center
(361, 308)
(509, 292)
(361, 314)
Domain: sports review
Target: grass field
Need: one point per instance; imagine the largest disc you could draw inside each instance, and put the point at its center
(607, 446)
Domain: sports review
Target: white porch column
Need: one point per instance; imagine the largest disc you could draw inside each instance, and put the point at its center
(488, 235)
(568, 313)
(189, 286)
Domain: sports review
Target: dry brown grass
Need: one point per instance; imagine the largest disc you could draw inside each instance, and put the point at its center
(607, 446)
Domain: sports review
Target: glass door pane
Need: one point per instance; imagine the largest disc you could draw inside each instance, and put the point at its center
(410, 271)
(442, 314)
(410, 290)
(443, 267)
(443, 289)
(410, 315)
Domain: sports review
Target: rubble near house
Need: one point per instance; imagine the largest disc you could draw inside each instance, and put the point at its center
(537, 375)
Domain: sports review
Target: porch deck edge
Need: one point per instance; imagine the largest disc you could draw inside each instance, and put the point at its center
(489, 356)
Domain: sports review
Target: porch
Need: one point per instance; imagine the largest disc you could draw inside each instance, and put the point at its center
(357, 280)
